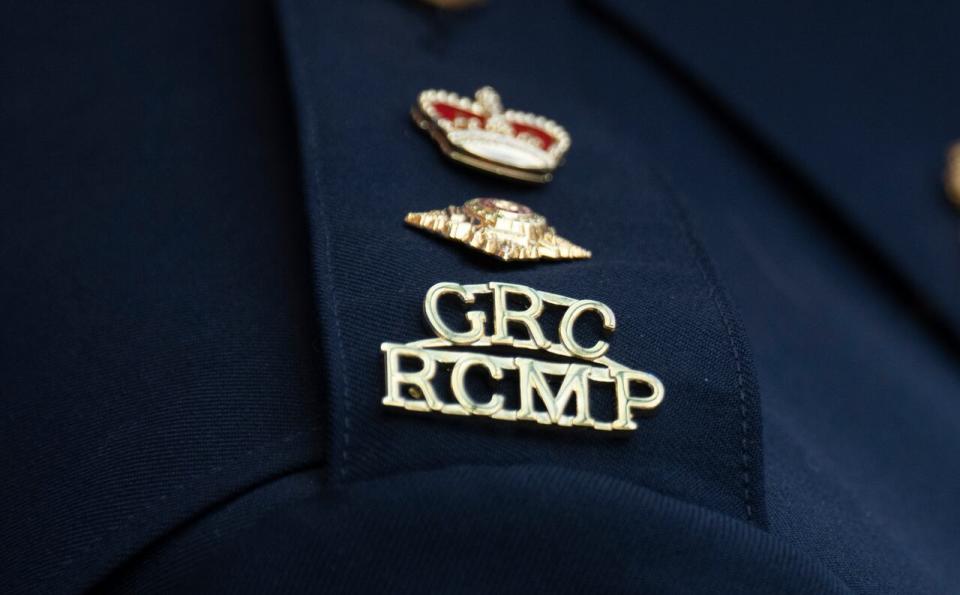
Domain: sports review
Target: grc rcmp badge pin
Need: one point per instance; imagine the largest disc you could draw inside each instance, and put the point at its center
(479, 133)
(554, 389)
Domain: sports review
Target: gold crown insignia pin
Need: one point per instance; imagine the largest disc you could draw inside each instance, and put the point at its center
(478, 132)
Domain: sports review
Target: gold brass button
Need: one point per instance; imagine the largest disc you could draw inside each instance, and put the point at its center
(951, 175)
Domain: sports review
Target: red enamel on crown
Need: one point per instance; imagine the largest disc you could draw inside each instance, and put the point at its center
(479, 133)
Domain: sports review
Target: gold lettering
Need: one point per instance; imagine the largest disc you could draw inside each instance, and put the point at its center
(503, 316)
(570, 318)
(432, 314)
(458, 384)
(421, 379)
(627, 402)
(415, 390)
(575, 382)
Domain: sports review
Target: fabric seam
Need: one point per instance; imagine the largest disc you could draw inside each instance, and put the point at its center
(712, 283)
(306, 110)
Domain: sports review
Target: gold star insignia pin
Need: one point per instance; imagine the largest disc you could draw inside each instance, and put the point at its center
(501, 228)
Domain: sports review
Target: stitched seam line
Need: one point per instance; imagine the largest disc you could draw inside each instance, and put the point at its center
(308, 138)
(744, 458)
(332, 292)
(698, 256)
(337, 330)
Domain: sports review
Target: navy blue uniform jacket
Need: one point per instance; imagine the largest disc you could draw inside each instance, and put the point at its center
(202, 247)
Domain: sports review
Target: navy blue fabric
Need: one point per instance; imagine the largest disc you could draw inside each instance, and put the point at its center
(859, 393)
(156, 353)
(477, 529)
(860, 100)
(202, 247)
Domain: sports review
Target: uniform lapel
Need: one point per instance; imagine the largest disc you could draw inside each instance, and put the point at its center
(366, 165)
